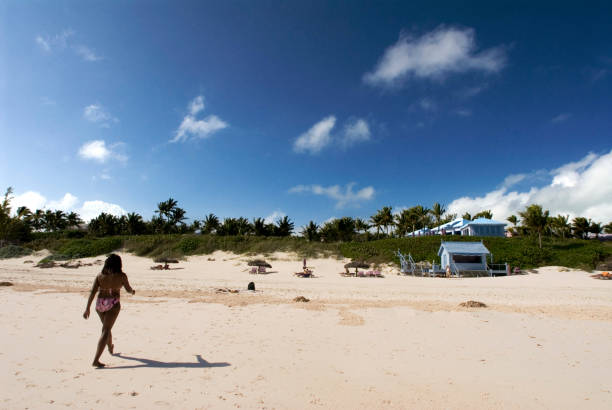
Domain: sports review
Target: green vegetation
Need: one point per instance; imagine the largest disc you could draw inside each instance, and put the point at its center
(518, 251)
(13, 251)
(65, 248)
(538, 239)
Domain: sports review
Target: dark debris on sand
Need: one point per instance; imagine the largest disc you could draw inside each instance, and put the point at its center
(301, 299)
(473, 304)
(6, 284)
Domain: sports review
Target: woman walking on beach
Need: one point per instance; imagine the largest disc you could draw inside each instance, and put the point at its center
(109, 283)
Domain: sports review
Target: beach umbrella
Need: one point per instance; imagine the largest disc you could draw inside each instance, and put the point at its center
(357, 264)
(166, 260)
(259, 263)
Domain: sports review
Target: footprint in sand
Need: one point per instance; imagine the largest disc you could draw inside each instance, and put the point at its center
(350, 319)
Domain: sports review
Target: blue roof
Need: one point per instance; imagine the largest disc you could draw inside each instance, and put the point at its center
(465, 248)
(485, 221)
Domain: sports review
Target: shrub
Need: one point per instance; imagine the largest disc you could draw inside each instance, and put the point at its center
(13, 251)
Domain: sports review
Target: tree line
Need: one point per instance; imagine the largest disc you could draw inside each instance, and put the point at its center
(169, 218)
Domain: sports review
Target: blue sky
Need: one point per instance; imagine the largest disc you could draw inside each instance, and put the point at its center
(309, 109)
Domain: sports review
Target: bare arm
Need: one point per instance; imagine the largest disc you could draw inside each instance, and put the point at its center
(94, 289)
(126, 285)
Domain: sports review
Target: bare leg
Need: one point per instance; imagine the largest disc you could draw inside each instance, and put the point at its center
(108, 320)
(110, 344)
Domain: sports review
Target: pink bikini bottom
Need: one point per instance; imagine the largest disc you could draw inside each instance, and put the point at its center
(106, 304)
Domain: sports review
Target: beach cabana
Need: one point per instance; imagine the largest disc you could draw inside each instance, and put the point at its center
(483, 227)
(464, 256)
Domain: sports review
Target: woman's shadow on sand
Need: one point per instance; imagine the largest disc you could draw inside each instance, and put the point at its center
(200, 363)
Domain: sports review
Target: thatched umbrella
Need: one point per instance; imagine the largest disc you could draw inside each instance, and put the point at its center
(357, 265)
(166, 260)
(259, 263)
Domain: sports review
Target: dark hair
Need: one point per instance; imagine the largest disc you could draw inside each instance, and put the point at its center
(112, 264)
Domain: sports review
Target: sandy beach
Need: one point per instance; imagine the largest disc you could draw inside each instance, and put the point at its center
(361, 343)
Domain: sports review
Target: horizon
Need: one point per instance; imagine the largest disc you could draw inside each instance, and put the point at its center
(313, 111)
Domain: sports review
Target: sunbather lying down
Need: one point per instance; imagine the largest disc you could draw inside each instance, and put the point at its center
(161, 267)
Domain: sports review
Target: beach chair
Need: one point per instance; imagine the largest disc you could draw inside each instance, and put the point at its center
(253, 270)
(261, 269)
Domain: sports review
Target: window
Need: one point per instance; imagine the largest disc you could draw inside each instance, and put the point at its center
(467, 259)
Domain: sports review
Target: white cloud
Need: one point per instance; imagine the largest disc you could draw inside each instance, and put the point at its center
(86, 53)
(92, 209)
(274, 216)
(51, 43)
(434, 55)
(579, 188)
(196, 105)
(68, 203)
(317, 137)
(561, 118)
(98, 114)
(342, 196)
(192, 127)
(31, 199)
(356, 131)
(98, 151)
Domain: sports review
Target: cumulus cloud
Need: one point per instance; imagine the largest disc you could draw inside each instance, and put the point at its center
(580, 188)
(68, 203)
(191, 127)
(98, 114)
(91, 209)
(274, 216)
(30, 199)
(317, 137)
(356, 131)
(342, 196)
(434, 55)
(97, 150)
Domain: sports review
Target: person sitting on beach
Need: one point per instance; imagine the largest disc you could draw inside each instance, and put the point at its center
(109, 283)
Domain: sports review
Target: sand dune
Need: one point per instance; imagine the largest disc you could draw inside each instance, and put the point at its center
(394, 342)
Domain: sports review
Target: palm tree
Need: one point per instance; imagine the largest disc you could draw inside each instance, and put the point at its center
(284, 226)
(386, 217)
(438, 211)
(73, 220)
(487, 214)
(535, 219)
(260, 228)
(513, 220)
(376, 221)
(244, 226)
(211, 224)
(403, 223)
(361, 225)
(595, 228)
(311, 231)
(134, 224)
(580, 226)
(467, 216)
(164, 208)
(560, 225)
(608, 228)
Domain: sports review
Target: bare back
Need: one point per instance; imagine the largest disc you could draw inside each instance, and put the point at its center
(110, 284)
